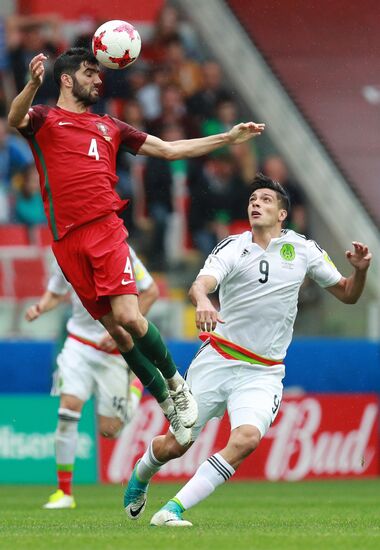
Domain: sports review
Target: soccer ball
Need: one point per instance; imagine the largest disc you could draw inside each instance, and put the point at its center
(116, 44)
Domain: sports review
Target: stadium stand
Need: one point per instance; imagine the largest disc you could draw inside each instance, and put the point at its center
(325, 62)
(13, 235)
(24, 269)
(29, 277)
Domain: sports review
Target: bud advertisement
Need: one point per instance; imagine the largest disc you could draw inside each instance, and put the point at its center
(27, 432)
(314, 436)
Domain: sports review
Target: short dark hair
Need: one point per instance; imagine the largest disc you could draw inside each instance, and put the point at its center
(70, 61)
(264, 182)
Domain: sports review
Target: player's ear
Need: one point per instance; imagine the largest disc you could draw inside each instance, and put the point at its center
(282, 215)
(67, 80)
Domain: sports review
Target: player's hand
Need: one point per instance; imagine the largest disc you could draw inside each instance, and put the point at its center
(37, 69)
(33, 312)
(244, 131)
(107, 343)
(206, 316)
(360, 258)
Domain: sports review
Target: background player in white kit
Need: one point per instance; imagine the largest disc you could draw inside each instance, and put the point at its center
(239, 368)
(89, 364)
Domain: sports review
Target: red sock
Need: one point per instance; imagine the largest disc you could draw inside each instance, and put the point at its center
(64, 481)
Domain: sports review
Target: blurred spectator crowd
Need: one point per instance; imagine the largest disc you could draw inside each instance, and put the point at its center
(174, 91)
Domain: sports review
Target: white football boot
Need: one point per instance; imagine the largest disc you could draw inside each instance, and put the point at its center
(185, 404)
(170, 516)
(59, 500)
(182, 434)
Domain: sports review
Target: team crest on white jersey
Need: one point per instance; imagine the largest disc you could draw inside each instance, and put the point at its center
(287, 252)
(104, 130)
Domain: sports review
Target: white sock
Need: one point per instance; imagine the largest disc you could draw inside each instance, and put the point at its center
(210, 474)
(175, 381)
(66, 436)
(167, 405)
(148, 465)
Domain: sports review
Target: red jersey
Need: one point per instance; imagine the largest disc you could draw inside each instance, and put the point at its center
(75, 155)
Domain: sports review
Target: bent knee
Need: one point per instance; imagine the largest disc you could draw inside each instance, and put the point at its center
(132, 321)
(110, 429)
(126, 317)
(175, 450)
(246, 441)
(167, 448)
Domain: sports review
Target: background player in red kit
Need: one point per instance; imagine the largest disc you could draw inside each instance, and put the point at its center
(75, 153)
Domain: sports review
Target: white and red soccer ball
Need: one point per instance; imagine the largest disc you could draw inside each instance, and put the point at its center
(116, 44)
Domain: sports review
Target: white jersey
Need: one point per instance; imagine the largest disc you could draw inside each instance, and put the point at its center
(259, 288)
(81, 323)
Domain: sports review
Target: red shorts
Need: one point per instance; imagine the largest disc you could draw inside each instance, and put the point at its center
(95, 260)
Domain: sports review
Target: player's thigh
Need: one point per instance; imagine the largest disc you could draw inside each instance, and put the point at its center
(76, 265)
(256, 398)
(95, 259)
(111, 389)
(74, 375)
(209, 377)
(110, 258)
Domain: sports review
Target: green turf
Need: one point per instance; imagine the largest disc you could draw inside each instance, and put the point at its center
(307, 515)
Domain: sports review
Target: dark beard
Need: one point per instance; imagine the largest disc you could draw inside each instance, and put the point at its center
(81, 95)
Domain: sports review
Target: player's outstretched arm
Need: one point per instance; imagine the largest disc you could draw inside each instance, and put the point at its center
(206, 316)
(49, 300)
(186, 148)
(348, 290)
(18, 114)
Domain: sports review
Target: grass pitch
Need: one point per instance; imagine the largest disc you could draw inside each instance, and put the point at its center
(307, 515)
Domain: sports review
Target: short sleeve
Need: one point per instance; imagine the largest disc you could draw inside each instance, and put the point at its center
(130, 137)
(320, 266)
(37, 116)
(142, 276)
(58, 284)
(221, 261)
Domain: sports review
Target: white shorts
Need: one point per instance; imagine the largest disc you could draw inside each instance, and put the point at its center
(84, 371)
(250, 393)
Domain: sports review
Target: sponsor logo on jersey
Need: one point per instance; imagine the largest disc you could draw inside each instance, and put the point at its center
(64, 123)
(287, 252)
(103, 129)
(244, 253)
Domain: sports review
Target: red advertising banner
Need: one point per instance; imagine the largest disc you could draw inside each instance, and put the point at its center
(314, 436)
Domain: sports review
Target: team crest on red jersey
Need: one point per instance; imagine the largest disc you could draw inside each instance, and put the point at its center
(104, 130)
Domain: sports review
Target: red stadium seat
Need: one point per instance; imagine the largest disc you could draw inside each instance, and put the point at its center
(13, 235)
(42, 235)
(29, 277)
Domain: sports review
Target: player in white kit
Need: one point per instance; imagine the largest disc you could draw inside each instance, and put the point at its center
(89, 364)
(240, 366)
